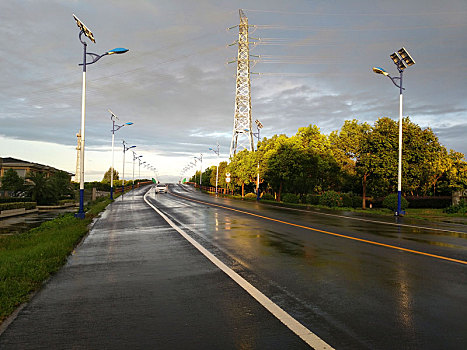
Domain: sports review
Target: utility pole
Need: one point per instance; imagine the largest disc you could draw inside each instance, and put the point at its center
(242, 117)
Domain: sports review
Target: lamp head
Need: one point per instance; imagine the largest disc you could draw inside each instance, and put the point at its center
(118, 50)
(379, 70)
(129, 123)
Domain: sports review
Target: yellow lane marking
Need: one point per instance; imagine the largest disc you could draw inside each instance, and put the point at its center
(326, 232)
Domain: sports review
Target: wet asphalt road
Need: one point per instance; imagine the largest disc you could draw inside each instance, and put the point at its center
(136, 283)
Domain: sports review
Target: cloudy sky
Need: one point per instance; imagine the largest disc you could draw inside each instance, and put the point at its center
(176, 87)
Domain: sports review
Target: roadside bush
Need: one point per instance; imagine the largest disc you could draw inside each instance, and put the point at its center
(357, 201)
(347, 200)
(15, 199)
(331, 199)
(289, 198)
(390, 202)
(460, 208)
(312, 198)
(17, 205)
(430, 202)
(250, 196)
(267, 196)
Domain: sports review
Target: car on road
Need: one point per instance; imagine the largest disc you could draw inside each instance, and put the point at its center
(161, 188)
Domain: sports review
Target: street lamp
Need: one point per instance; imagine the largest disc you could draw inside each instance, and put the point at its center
(259, 126)
(195, 170)
(125, 148)
(401, 59)
(201, 168)
(134, 158)
(115, 127)
(217, 168)
(84, 30)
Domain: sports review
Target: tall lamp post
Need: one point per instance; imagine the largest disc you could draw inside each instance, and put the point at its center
(195, 170)
(134, 158)
(216, 151)
(115, 127)
(401, 59)
(125, 148)
(201, 168)
(95, 57)
(259, 126)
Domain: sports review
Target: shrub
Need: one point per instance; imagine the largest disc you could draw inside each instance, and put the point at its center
(430, 202)
(15, 199)
(312, 198)
(347, 200)
(460, 208)
(390, 202)
(331, 199)
(17, 205)
(250, 196)
(267, 196)
(289, 198)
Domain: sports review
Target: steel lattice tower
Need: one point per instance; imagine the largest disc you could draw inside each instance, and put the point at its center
(242, 118)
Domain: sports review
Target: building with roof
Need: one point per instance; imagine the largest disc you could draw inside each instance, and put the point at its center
(23, 167)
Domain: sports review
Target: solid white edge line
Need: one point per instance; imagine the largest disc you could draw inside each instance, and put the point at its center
(304, 333)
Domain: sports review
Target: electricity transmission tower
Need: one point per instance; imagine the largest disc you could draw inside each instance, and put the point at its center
(242, 130)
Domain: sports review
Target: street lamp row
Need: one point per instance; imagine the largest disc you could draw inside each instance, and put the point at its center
(94, 58)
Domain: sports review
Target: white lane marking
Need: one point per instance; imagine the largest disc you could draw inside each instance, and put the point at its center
(304, 333)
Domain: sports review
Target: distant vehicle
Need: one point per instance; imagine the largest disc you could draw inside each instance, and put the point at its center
(160, 188)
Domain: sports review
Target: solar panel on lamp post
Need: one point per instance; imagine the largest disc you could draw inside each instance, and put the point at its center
(402, 60)
(95, 57)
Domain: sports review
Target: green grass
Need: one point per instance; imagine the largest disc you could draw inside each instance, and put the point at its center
(423, 214)
(28, 259)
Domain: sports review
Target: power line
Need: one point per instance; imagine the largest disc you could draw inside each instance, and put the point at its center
(375, 14)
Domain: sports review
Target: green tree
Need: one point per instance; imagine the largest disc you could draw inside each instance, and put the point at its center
(422, 157)
(243, 169)
(457, 172)
(107, 174)
(41, 189)
(206, 177)
(285, 167)
(11, 181)
(60, 181)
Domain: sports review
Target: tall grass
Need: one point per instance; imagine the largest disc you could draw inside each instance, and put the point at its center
(28, 259)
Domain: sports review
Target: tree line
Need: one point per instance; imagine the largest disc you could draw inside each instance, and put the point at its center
(43, 189)
(359, 158)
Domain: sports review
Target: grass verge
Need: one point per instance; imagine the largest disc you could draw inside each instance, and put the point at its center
(29, 259)
(415, 213)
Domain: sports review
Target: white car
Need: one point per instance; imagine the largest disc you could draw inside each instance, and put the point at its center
(160, 188)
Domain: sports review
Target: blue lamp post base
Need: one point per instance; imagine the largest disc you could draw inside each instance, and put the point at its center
(81, 214)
